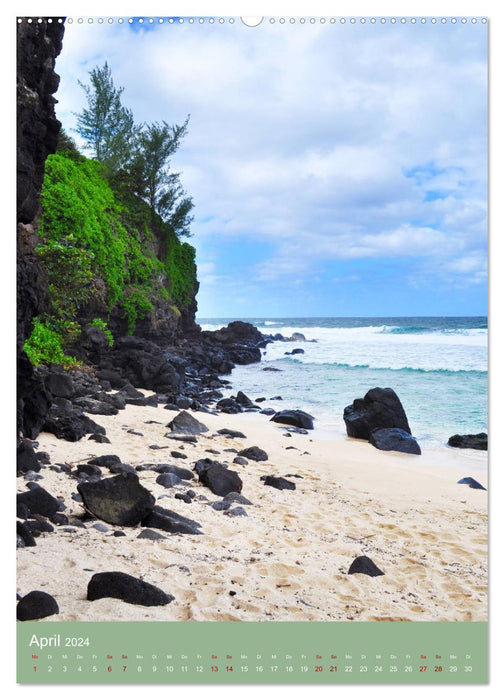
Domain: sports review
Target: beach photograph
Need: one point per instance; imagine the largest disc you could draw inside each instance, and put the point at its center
(252, 320)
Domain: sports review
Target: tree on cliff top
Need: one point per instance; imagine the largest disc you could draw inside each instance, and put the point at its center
(105, 125)
(137, 157)
(162, 189)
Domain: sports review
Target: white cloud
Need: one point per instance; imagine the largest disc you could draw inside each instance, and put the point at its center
(304, 136)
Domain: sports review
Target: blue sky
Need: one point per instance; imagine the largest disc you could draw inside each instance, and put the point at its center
(336, 170)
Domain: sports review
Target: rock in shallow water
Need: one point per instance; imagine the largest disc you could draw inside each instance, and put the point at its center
(116, 584)
(472, 442)
(380, 408)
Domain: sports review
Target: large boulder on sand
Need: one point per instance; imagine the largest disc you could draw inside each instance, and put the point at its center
(380, 408)
(394, 439)
(185, 423)
(116, 584)
(297, 418)
(217, 477)
(119, 500)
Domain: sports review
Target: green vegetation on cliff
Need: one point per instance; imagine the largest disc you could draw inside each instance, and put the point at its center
(101, 247)
(111, 228)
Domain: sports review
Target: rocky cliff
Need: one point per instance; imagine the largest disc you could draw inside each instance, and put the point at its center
(38, 44)
(142, 278)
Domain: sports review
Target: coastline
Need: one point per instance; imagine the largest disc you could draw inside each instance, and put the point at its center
(288, 558)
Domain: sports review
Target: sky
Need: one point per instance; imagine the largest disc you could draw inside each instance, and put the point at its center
(336, 169)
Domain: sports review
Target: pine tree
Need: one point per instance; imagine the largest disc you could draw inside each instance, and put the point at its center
(162, 188)
(105, 125)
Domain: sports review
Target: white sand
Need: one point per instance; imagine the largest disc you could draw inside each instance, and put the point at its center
(289, 558)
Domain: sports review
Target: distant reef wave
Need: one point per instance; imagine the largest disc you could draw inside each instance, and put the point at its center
(300, 359)
(404, 330)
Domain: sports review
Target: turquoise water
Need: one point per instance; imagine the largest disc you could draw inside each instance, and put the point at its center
(437, 366)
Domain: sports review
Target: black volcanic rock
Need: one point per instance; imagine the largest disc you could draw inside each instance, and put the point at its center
(185, 423)
(380, 408)
(38, 45)
(365, 565)
(39, 501)
(471, 442)
(256, 454)
(217, 477)
(105, 460)
(168, 480)
(36, 605)
(119, 500)
(24, 535)
(145, 364)
(99, 438)
(68, 422)
(170, 521)
(243, 400)
(88, 471)
(472, 483)
(34, 400)
(95, 406)
(237, 332)
(297, 418)
(278, 482)
(59, 384)
(394, 439)
(148, 534)
(116, 584)
(229, 405)
(180, 472)
(228, 432)
(26, 459)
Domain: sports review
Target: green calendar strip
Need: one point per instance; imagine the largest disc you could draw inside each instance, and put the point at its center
(252, 652)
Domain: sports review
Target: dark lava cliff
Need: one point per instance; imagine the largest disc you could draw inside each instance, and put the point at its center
(38, 45)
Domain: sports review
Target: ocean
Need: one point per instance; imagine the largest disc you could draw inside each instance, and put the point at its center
(436, 365)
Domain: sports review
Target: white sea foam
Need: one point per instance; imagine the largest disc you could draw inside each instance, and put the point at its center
(438, 371)
(371, 347)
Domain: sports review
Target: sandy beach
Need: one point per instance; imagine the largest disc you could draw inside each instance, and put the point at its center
(288, 558)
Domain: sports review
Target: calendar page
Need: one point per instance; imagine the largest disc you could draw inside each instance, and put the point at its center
(252, 349)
